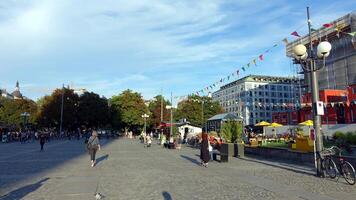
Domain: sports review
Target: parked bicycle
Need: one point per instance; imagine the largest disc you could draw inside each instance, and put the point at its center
(342, 167)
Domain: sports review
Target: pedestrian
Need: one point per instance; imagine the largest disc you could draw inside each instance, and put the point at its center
(204, 150)
(93, 146)
(42, 140)
(148, 141)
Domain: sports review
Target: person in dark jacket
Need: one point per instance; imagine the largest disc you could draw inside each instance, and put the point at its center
(204, 150)
(42, 140)
(93, 147)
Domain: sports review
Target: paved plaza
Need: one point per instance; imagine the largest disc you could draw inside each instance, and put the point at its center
(127, 170)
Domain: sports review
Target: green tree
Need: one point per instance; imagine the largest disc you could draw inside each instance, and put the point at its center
(231, 131)
(11, 110)
(93, 110)
(155, 106)
(191, 109)
(128, 108)
(50, 111)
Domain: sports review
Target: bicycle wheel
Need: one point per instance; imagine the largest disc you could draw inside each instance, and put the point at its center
(330, 167)
(348, 172)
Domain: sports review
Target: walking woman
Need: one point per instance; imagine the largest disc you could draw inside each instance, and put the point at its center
(204, 150)
(93, 147)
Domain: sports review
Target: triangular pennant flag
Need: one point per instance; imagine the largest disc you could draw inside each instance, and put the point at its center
(328, 25)
(267, 50)
(248, 65)
(260, 57)
(295, 33)
(332, 104)
(254, 62)
(237, 72)
(313, 29)
(243, 68)
(211, 87)
(214, 85)
(352, 34)
(285, 40)
(232, 74)
(228, 77)
(221, 80)
(275, 45)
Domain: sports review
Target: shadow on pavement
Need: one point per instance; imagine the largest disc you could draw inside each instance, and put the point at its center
(278, 164)
(102, 158)
(166, 195)
(23, 191)
(195, 161)
(27, 162)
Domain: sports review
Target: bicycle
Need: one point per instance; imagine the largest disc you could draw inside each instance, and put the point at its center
(343, 167)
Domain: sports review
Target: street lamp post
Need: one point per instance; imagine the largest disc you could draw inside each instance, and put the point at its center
(145, 116)
(61, 120)
(308, 61)
(25, 116)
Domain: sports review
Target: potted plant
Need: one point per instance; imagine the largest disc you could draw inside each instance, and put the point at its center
(232, 135)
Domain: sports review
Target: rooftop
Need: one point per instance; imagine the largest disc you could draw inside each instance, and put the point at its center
(262, 79)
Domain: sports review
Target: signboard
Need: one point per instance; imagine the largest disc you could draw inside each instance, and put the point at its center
(320, 108)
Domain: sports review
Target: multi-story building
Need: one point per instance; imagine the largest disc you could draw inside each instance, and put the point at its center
(340, 69)
(255, 97)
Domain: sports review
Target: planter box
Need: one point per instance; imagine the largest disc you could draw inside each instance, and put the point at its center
(226, 151)
(239, 150)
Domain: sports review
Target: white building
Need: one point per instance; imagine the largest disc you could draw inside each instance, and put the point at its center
(255, 97)
(14, 95)
(187, 131)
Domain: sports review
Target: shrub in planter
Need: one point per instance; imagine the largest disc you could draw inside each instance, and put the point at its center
(339, 135)
(232, 133)
(351, 138)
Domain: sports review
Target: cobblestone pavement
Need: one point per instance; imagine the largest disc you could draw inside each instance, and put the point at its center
(127, 170)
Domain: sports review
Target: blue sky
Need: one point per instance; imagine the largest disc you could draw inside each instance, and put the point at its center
(107, 46)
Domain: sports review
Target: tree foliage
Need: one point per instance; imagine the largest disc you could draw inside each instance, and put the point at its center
(11, 110)
(50, 111)
(93, 111)
(191, 109)
(155, 106)
(231, 131)
(128, 108)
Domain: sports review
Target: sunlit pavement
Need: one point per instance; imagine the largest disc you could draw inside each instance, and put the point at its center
(127, 170)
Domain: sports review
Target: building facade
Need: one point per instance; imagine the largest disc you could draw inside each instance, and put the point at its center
(16, 94)
(255, 97)
(340, 69)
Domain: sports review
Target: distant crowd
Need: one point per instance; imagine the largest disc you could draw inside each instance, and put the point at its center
(25, 136)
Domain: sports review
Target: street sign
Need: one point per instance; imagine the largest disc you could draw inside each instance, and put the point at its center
(320, 108)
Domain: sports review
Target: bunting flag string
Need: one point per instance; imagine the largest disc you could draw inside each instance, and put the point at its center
(261, 57)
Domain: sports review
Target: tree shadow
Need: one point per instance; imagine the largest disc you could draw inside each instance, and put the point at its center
(28, 162)
(166, 196)
(195, 161)
(23, 191)
(102, 158)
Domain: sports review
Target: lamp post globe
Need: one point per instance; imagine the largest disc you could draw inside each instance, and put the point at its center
(324, 48)
(300, 50)
(321, 56)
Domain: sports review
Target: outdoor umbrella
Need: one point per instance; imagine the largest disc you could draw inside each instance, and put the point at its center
(263, 123)
(306, 123)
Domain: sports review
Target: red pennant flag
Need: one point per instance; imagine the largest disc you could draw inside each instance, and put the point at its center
(295, 33)
(328, 25)
(260, 57)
